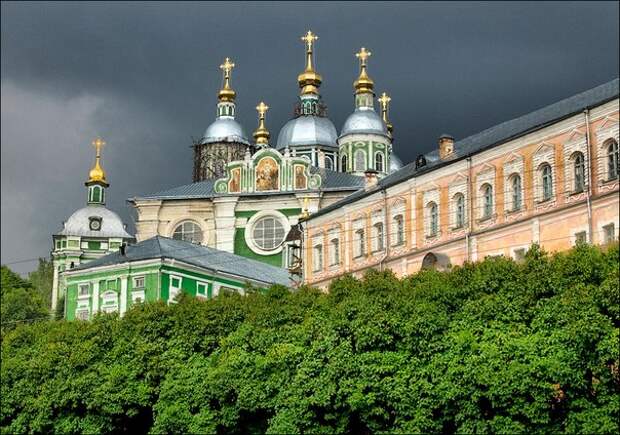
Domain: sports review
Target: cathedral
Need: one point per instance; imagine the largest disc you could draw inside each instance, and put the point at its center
(246, 199)
(248, 193)
(317, 204)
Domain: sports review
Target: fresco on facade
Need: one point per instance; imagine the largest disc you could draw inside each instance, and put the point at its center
(267, 174)
(301, 182)
(235, 180)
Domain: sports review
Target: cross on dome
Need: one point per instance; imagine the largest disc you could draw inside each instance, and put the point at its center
(227, 93)
(363, 55)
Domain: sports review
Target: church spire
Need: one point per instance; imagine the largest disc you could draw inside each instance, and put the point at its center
(309, 80)
(227, 93)
(96, 177)
(384, 101)
(261, 135)
(364, 83)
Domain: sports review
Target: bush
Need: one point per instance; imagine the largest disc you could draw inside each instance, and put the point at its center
(493, 347)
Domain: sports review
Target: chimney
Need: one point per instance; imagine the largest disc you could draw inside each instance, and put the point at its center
(446, 146)
(371, 179)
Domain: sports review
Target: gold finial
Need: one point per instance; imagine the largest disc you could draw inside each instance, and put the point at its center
(97, 174)
(309, 80)
(363, 83)
(227, 93)
(384, 101)
(261, 135)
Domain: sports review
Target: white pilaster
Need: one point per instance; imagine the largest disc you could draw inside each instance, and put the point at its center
(123, 294)
(55, 289)
(225, 222)
(95, 297)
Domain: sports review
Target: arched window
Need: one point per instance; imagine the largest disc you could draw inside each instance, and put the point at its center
(547, 182)
(96, 194)
(360, 243)
(459, 201)
(268, 233)
(580, 171)
(317, 261)
(189, 231)
(433, 214)
(360, 160)
(515, 191)
(379, 166)
(334, 251)
(399, 229)
(343, 163)
(612, 159)
(487, 206)
(377, 242)
(329, 163)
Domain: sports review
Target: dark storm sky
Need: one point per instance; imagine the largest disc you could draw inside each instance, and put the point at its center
(145, 77)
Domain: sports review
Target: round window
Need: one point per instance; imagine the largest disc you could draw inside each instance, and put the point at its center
(268, 233)
(188, 231)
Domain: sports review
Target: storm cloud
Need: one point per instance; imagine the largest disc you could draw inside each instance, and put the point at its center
(144, 76)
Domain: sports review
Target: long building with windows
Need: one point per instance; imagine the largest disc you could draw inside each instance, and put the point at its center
(549, 177)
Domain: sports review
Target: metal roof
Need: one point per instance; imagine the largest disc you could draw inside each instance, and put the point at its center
(332, 181)
(210, 259)
(491, 137)
(78, 223)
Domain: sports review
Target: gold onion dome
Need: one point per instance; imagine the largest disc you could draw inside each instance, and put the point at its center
(309, 80)
(364, 83)
(261, 135)
(227, 93)
(384, 101)
(97, 174)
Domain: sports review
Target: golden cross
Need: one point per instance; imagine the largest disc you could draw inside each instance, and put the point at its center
(98, 143)
(309, 38)
(262, 109)
(384, 100)
(227, 67)
(363, 56)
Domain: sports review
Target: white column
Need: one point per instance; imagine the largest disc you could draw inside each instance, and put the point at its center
(55, 289)
(123, 294)
(95, 297)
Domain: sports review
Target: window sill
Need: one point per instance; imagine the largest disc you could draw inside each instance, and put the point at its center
(359, 256)
(397, 245)
(457, 228)
(377, 251)
(610, 180)
(576, 192)
(433, 236)
(486, 218)
(542, 201)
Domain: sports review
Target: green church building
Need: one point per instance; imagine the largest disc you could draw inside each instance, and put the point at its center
(159, 269)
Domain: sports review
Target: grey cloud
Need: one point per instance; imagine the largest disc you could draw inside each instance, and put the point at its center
(145, 76)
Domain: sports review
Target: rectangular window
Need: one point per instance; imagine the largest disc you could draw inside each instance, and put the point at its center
(519, 254)
(64, 244)
(609, 233)
(81, 314)
(175, 282)
(317, 262)
(201, 288)
(111, 284)
(94, 245)
(360, 243)
(83, 289)
(138, 282)
(335, 252)
(580, 237)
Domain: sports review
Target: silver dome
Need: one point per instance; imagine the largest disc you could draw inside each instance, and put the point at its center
(395, 163)
(225, 129)
(307, 131)
(364, 121)
(78, 223)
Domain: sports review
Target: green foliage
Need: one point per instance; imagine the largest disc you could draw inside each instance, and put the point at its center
(493, 347)
(20, 301)
(42, 279)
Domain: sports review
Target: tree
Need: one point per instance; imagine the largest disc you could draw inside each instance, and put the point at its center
(491, 347)
(20, 301)
(42, 280)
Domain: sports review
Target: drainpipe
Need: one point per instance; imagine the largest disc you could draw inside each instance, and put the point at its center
(387, 233)
(586, 114)
(470, 214)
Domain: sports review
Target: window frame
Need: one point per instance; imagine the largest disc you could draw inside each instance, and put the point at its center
(360, 243)
(362, 153)
(379, 160)
(317, 258)
(378, 243)
(579, 172)
(546, 182)
(334, 246)
(433, 215)
(516, 192)
(612, 153)
(399, 223)
(181, 225)
(488, 203)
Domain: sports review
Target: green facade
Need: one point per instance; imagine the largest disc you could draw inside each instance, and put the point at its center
(157, 281)
(241, 247)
